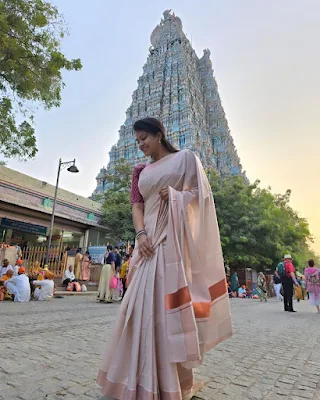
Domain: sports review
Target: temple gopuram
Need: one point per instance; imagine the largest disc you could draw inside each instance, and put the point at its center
(179, 88)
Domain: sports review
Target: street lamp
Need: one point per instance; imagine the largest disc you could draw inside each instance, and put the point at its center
(71, 168)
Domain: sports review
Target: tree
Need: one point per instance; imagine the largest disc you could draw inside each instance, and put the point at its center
(31, 65)
(257, 228)
(116, 207)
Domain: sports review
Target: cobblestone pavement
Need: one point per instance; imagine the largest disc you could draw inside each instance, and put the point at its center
(51, 351)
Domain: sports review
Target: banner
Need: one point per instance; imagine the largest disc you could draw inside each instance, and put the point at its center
(97, 254)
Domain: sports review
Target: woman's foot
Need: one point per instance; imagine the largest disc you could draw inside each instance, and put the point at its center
(187, 395)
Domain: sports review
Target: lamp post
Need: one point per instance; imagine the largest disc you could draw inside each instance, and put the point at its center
(71, 168)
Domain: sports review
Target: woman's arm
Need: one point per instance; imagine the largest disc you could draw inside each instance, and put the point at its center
(138, 216)
(113, 266)
(145, 246)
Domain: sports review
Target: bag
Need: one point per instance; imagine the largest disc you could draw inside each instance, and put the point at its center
(113, 282)
(70, 287)
(298, 292)
(77, 286)
(83, 288)
(281, 268)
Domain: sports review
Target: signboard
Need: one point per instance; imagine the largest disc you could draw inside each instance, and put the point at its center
(97, 254)
(72, 252)
(23, 227)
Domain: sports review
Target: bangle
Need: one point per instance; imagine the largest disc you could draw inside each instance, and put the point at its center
(142, 232)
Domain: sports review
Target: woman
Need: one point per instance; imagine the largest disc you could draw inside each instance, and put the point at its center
(312, 277)
(235, 283)
(262, 287)
(107, 272)
(77, 264)
(177, 306)
(277, 285)
(85, 267)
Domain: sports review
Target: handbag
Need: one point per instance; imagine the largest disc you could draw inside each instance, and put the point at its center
(113, 282)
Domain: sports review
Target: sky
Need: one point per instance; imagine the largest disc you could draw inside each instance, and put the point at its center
(267, 65)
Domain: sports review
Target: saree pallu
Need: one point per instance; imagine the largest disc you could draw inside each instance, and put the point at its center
(176, 307)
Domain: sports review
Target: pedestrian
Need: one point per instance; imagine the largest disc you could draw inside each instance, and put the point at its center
(312, 276)
(108, 271)
(286, 272)
(124, 273)
(277, 285)
(77, 264)
(235, 283)
(118, 261)
(262, 287)
(177, 306)
(85, 267)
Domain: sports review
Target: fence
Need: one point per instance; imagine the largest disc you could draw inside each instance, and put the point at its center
(57, 258)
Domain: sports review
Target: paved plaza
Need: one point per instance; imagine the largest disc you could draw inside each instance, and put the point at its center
(52, 350)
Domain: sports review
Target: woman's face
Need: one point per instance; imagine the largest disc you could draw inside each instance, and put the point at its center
(148, 143)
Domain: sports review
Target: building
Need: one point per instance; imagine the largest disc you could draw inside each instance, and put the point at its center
(180, 89)
(26, 208)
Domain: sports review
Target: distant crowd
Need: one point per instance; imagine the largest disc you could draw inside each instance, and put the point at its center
(287, 283)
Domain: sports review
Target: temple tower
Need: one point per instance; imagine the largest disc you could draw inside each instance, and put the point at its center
(180, 89)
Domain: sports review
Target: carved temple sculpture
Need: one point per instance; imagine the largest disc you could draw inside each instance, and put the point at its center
(180, 89)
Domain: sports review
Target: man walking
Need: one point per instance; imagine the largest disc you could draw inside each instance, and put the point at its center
(286, 272)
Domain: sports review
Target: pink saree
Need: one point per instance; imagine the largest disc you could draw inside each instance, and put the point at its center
(176, 307)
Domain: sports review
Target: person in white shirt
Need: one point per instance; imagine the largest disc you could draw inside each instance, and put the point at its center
(68, 276)
(17, 266)
(19, 286)
(242, 292)
(46, 290)
(5, 267)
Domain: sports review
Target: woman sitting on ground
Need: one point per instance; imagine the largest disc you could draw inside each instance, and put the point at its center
(68, 276)
(46, 290)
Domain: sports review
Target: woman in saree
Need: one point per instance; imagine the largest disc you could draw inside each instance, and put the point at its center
(85, 267)
(262, 287)
(107, 272)
(312, 277)
(177, 305)
(77, 264)
(235, 283)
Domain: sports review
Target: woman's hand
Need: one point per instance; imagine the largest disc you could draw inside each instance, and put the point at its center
(164, 194)
(145, 246)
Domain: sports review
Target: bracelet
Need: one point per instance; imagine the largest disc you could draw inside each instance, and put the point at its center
(143, 232)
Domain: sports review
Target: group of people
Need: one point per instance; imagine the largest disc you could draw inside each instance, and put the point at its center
(17, 285)
(287, 283)
(114, 274)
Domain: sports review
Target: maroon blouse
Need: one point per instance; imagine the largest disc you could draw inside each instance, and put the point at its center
(135, 195)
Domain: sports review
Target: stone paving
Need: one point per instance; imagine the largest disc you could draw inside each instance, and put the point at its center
(51, 351)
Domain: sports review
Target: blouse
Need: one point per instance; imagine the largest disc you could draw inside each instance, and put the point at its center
(135, 195)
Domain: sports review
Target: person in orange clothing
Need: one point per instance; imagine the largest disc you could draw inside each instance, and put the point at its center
(19, 264)
(3, 291)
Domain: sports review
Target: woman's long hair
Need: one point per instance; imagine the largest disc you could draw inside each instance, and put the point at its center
(154, 126)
